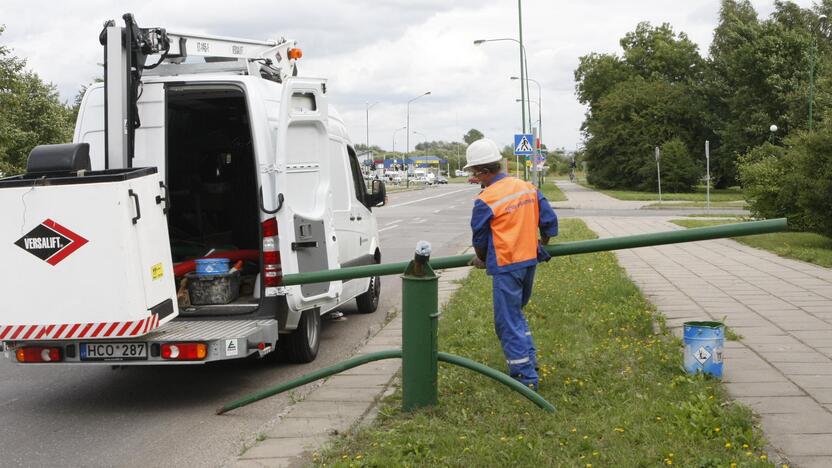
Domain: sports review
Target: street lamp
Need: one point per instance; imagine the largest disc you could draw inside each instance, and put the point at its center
(812, 52)
(407, 149)
(539, 104)
(367, 107)
(523, 72)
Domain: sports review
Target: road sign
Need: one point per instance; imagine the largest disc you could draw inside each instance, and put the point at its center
(523, 144)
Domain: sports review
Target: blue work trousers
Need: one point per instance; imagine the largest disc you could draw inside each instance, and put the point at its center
(512, 291)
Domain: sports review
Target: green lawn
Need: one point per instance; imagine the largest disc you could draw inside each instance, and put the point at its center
(552, 192)
(621, 397)
(805, 246)
(717, 195)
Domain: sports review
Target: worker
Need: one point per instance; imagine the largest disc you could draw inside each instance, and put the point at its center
(505, 221)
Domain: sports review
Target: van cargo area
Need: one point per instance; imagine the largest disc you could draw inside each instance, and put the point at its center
(211, 175)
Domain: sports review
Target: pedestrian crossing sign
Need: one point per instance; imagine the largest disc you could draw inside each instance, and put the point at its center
(523, 144)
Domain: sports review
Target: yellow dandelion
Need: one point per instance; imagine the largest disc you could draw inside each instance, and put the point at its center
(733, 465)
(764, 457)
(727, 444)
(744, 445)
(573, 430)
(716, 429)
(619, 429)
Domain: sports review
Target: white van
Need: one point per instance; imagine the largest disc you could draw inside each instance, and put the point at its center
(244, 160)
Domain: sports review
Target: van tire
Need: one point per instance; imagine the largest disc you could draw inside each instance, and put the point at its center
(301, 346)
(368, 301)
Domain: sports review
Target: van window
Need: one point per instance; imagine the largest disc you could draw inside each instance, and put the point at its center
(341, 176)
(358, 179)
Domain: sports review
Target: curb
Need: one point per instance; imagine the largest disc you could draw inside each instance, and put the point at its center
(342, 403)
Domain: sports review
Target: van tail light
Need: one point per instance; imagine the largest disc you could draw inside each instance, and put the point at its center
(272, 267)
(184, 351)
(38, 354)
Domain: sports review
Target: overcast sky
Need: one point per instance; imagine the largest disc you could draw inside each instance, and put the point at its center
(384, 50)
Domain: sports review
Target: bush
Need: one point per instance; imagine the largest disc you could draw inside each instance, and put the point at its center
(794, 181)
(679, 171)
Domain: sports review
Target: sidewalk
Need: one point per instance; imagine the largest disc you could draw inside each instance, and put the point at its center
(782, 309)
(582, 198)
(341, 402)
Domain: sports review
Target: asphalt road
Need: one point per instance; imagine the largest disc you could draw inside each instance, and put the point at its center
(164, 416)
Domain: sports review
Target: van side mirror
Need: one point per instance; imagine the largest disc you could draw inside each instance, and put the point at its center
(377, 195)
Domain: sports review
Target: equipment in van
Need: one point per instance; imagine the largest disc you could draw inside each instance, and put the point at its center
(194, 148)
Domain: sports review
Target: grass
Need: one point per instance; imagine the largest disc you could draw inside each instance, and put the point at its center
(805, 246)
(717, 195)
(621, 396)
(552, 192)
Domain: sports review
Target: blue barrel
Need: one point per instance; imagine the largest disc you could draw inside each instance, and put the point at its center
(212, 266)
(703, 347)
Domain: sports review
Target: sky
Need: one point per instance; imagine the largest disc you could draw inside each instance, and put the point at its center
(385, 51)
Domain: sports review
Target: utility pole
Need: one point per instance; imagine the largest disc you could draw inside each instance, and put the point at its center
(522, 67)
(708, 173)
(659, 170)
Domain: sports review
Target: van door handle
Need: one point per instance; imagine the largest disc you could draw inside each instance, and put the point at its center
(304, 245)
(160, 199)
(352, 218)
(358, 218)
(131, 193)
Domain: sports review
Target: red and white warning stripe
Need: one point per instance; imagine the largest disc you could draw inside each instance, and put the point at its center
(72, 331)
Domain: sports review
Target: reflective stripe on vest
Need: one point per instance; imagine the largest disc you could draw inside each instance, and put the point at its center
(513, 204)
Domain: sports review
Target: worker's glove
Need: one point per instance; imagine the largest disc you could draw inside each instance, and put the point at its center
(477, 263)
(542, 254)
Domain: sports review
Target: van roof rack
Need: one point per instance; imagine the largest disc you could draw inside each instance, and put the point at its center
(272, 60)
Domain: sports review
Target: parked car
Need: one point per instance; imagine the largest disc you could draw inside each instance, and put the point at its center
(441, 180)
(473, 180)
(460, 173)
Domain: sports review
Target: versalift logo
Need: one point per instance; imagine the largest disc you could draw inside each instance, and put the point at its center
(50, 242)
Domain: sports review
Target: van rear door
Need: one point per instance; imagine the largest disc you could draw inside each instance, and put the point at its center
(308, 241)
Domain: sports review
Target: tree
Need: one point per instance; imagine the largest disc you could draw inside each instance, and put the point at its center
(680, 172)
(31, 115)
(638, 100)
(472, 136)
(629, 122)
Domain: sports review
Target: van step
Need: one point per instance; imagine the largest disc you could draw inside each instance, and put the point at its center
(206, 330)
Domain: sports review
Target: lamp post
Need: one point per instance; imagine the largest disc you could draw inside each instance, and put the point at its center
(394, 140)
(539, 104)
(523, 72)
(407, 150)
(367, 107)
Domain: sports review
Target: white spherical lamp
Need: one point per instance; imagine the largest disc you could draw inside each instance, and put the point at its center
(773, 128)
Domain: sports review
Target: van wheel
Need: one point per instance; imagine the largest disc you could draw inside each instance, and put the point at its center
(301, 345)
(368, 302)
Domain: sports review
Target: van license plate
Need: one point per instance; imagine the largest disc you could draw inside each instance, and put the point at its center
(113, 351)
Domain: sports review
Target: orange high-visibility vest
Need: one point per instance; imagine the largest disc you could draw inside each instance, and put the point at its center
(514, 225)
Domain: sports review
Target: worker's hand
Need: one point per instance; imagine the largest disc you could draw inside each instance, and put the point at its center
(476, 262)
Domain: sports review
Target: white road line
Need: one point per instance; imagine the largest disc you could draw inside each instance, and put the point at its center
(429, 198)
(419, 220)
(393, 222)
(436, 211)
(388, 228)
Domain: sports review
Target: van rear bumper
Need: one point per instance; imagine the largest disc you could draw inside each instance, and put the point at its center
(224, 340)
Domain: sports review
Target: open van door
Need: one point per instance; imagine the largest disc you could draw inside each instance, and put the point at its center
(308, 241)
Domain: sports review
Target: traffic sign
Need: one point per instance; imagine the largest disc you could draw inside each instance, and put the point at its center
(523, 144)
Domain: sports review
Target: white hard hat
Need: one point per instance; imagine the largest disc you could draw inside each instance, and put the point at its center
(482, 151)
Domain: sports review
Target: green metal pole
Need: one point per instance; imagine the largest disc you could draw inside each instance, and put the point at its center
(500, 377)
(420, 316)
(311, 377)
(557, 250)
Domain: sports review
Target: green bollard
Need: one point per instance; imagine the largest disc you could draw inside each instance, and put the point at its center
(420, 314)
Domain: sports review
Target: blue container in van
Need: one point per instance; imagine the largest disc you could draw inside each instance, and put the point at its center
(703, 347)
(212, 266)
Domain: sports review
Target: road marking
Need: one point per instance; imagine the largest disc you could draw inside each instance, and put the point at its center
(393, 222)
(419, 220)
(429, 198)
(436, 211)
(388, 228)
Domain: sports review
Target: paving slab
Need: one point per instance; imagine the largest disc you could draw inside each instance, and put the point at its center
(781, 308)
(341, 403)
